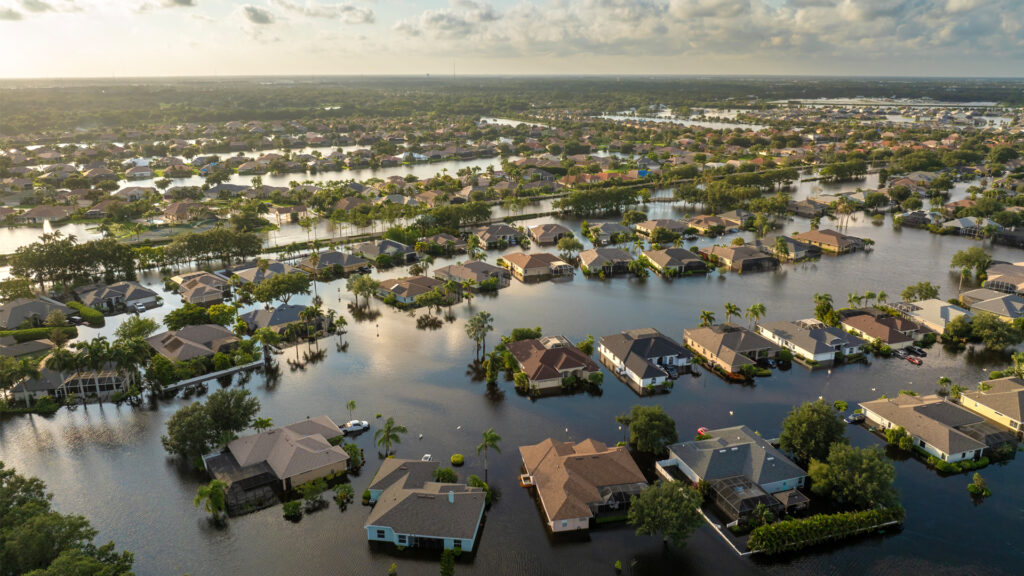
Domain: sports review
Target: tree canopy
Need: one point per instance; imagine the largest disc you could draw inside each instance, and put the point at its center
(666, 509)
(854, 478)
(650, 429)
(809, 431)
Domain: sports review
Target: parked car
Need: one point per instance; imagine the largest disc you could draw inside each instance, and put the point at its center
(855, 418)
(914, 360)
(900, 354)
(916, 351)
(140, 308)
(355, 426)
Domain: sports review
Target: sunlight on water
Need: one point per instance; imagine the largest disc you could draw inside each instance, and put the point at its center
(47, 229)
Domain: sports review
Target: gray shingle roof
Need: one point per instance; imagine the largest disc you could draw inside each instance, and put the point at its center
(736, 451)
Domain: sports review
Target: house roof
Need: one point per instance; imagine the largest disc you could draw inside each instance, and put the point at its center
(569, 477)
(281, 316)
(13, 313)
(547, 358)
(252, 272)
(933, 311)
(729, 342)
(548, 232)
(334, 258)
(1004, 395)
(497, 230)
(128, 291)
(410, 503)
(292, 450)
(829, 238)
(736, 451)
(474, 270)
(1003, 273)
(534, 260)
(376, 248)
(666, 223)
(1005, 305)
(931, 418)
(636, 348)
(672, 257)
(600, 257)
(812, 336)
(876, 329)
(196, 341)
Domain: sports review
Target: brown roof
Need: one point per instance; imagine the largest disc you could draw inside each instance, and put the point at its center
(931, 418)
(548, 358)
(535, 260)
(877, 329)
(1005, 395)
(829, 238)
(569, 477)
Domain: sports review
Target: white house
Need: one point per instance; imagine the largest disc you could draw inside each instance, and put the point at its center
(811, 339)
(936, 425)
(640, 356)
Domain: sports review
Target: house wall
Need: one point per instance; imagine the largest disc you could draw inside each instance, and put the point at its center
(886, 424)
(714, 359)
(569, 524)
(989, 413)
(304, 477)
(798, 350)
(896, 346)
(783, 485)
(387, 534)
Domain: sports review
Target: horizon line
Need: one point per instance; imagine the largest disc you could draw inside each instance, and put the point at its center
(447, 77)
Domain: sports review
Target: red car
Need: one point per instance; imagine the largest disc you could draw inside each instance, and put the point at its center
(914, 360)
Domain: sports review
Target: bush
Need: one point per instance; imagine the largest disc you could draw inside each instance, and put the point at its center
(366, 497)
(293, 510)
(91, 316)
(355, 456)
(40, 333)
(458, 460)
(446, 476)
(343, 494)
(790, 535)
(476, 482)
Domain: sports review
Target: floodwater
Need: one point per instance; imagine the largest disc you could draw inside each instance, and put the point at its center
(106, 462)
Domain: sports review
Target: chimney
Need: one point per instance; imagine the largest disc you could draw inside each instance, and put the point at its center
(451, 496)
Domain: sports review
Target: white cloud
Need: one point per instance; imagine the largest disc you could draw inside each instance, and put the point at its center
(257, 15)
(347, 13)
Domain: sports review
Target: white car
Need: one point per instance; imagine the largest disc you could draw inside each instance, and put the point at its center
(355, 426)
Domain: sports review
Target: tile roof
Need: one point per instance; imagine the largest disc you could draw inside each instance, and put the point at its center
(547, 358)
(294, 449)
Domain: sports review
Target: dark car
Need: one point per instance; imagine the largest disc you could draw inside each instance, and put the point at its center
(916, 351)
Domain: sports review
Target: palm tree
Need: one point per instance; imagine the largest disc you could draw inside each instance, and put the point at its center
(881, 297)
(707, 318)
(214, 495)
(467, 290)
(490, 442)
(731, 310)
(477, 328)
(389, 434)
(869, 296)
(756, 312)
(261, 424)
(853, 299)
(451, 290)
(351, 406)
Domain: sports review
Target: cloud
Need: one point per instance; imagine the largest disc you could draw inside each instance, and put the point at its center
(36, 6)
(176, 3)
(10, 15)
(347, 13)
(258, 15)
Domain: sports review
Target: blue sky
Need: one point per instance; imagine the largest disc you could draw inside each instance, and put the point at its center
(103, 38)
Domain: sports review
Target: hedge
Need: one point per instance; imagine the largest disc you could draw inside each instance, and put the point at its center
(790, 535)
(38, 333)
(91, 316)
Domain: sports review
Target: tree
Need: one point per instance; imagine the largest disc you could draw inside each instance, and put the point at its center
(973, 259)
(232, 410)
(445, 475)
(389, 434)
(569, 246)
(993, 332)
(213, 496)
(188, 315)
(362, 285)
(810, 430)
(781, 248)
(281, 287)
(136, 327)
(586, 345)
(755, 313)
(261, 424)
(490, 442)
(824, 311)
(477, 328)
(667, 509)
(854, 478)
(448, 562)
(223, 314)
(189, 432)
(707, 318)
(650, 429)
(351, 407)
(920, 291)
(15, 288)
(731, 310)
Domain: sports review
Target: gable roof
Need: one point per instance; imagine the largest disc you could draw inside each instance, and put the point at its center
(931, 418)
(736, 451)
(294, 449)
(547, 358)
(636, 348)
(569, 477)
(1005, 395)
(13, 313)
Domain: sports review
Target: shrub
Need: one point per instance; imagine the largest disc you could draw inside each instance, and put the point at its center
(790, 535)
(293, 510)
(343, 494)
(476, 482)
(40, 333)
(458, 460)
(366, 496)
(355, 456)
(445, 475)
(90, 316)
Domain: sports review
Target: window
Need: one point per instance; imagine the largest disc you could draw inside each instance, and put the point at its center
(380, 534)
(401, 539)
(565, 523)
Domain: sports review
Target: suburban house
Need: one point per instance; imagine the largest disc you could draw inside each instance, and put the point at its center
(1005, 277)
(735, 219)
(405, 290)
(336, 262)
(640, 357)
(548, 234)
(40, 214)
(547, 361)
(254, 273)
(808, 208)
(536, 267)
(933, 313)
(138, 173)
(399, 253)
(102, 383)
(185, 211)
(795, 249)
(197, 341)
(578, 484)
(729, 346)
(647, 228)
(277, 319)
(742, 468)
(706, 223)
(604, 233)
(446, 242)
(1006, 306)
(496, 235)
(675, 262)
(410, 509)
(202, 288)
(938, 426)
(282, 458)
(289, 214)
(894, 332)
(740, 258)
(482, 273)
(109, 297)
(31, 312)
(812, 340)
(831, 241)
(1000, 400)
(610, 261)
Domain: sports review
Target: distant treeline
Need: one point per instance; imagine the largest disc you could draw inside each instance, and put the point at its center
(39, 105)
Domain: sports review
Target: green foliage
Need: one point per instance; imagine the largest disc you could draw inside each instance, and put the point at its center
(188, 315)
(136, 327)
(920, 291)
(292, 510)
(518, 334)
(666, 509)
(458, 460)
(809, 431)
(90, 316)
(973, 259)
(213, 496)
(232, 410)
(797, 534)
(978, 487)
(389, 434)
(37, 540)
(311, 491)
(448, 563)
(650, 429)
(60, 260)
(445, 475)
(355, 456)
(477, 482)
(957, 467)
(343, 494)
(189, 432)
(40, 333)
(282, 287)
(14, 288)
(995, 334)
(854, 478)
(586, 345)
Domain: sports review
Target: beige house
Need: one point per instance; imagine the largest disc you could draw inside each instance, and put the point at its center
(296, 453)
(546, 361)
(535, 267)
(578, 483)
(728, 346)
(1002, 401)
(831, 241)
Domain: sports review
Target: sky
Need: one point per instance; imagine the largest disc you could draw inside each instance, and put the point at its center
(132, 38)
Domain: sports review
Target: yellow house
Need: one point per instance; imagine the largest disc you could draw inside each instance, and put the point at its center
(1000, 400)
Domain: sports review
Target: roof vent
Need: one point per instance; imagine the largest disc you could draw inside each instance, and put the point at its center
(451, 497)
